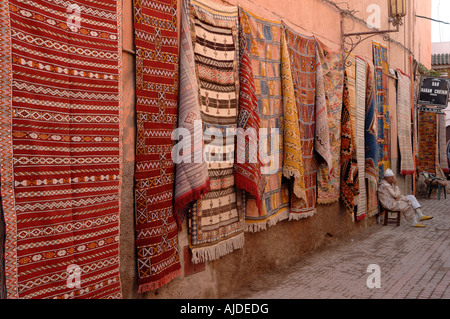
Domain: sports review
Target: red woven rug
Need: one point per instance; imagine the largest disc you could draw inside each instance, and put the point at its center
(156, 111)
(66, 150)
(8, 267)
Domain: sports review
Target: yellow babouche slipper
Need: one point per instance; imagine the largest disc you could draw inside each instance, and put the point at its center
(419, 225)
(426, 218)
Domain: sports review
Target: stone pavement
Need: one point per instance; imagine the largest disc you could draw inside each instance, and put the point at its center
(413, 263)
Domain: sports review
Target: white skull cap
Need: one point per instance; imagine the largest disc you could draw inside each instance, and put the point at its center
(388, 173)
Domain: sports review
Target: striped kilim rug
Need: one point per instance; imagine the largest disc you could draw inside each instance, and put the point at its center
(191, 176)
(217, 218)
(156, 117)
(360, 117)
(61, 179)
(264, 42)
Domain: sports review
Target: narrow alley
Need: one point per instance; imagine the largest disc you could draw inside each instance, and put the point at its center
(413, 263)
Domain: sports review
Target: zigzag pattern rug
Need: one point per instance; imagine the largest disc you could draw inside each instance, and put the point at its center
(8, 266)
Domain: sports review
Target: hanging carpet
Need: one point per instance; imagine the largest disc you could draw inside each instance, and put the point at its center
(427, 127)
(264, 42)
(8, 256)
(303, 165)
(60, 181)
(360, 117)
(382, 106)
(248, 164)
(349, 165)
(191, 177)
(217, 218)
(371, 144)
(156, 117)
(443, 162)
(328, 178)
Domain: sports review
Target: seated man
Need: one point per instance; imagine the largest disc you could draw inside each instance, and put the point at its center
(391, 198)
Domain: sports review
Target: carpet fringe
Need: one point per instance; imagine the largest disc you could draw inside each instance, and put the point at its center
(203, 254)
(322, 201)
(143, 288)
(256, 227)
(299, 216)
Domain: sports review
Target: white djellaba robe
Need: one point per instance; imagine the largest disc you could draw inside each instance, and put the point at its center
(406, 204)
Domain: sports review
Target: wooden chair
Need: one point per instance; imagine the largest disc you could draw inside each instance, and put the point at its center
(387, 218)
(434, 182)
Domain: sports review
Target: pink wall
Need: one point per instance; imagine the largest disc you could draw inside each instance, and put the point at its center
(319, 18)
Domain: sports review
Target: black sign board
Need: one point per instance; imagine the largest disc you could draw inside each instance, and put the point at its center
(433, 92)
(431, 109)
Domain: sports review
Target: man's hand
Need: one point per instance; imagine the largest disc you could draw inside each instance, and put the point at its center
(394, 182)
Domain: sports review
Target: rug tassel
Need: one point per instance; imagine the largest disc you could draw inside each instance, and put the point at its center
(203, 254)
(256, 227)
(298, 216)
(150, 286)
